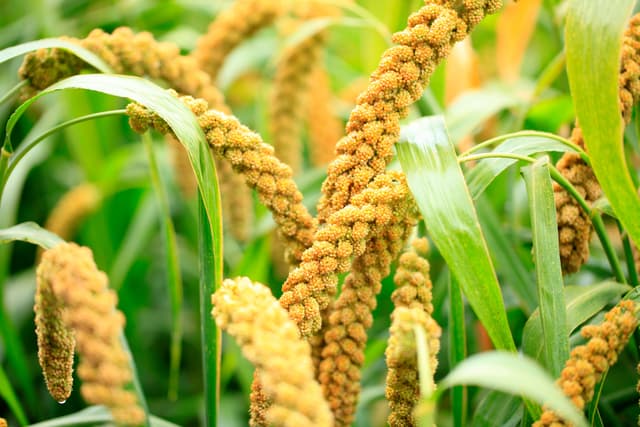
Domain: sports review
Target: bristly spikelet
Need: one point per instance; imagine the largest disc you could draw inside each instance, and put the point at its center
(574, 225)
(412, 300)
(399, 80)
(56, 343)
(589, 362)
(89, 311)
(272, 342)
(350, 316)
(252, 158)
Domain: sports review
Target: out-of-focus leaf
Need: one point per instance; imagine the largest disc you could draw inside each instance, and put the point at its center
(582, 302)
(30, 232)
(498, 409)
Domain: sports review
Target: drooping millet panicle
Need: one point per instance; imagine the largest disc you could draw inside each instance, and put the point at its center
(56, 343)
(350, 316)
(253, 159)
(399, 80)
(125, 52)
(309, 288)
(230, 28)
(325, 127)
(271, 341)
(72, 208)
(3, 422)
(574, 225)
(412, 300)
(292, 82)
(587, 363)
(90, 312)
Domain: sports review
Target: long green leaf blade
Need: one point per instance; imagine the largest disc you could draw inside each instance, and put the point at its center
(429, 160)
(514, 374)
(30, 232)
(546, 254)
(593, 41)
(9, 396)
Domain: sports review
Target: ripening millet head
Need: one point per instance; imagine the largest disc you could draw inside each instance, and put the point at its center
(587, 363)
(90, 312)
(3, 422)
(403, 390)
(56, 342)
(399, 80)
(310, 287)
(72, 208)
(271, 341)
(255, 160)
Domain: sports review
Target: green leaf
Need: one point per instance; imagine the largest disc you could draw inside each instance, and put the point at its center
(457, 349)
(429, 160)
(9, 396)
(82, 53)
(471, 109)
(593, 41)
(582, 302)
(546, 254)
(498, 409)
(185, 126)
(515, 374)
(93, 415)
(483, 174)
(32, 233)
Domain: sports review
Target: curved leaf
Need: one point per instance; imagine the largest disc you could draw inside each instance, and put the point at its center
(32, 233)
(82, 53)
(498, 369)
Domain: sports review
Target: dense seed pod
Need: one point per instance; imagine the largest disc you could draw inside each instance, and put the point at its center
(310, 287)
(402, 390)
(350, 317)
(574, 225)
(89, 311)
(230, 28)
(253, 159)
(258, 404)
(271, 341)
(587, 363)
(412, 300)
(56, 343)
(325, 127)
(399, 80)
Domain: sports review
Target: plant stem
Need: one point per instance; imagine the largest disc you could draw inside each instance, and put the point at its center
(7, 96)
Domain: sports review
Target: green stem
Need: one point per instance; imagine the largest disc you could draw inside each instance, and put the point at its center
(628, 254)
(469, 158)
(13, 91)
(596, 220)
(5, 171)
(173, 268)
(135, 381)
(524, 133)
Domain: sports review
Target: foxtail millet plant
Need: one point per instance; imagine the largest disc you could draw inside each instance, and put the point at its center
(590, 361)
(272, 342)
(72, 284)
(574, 225)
